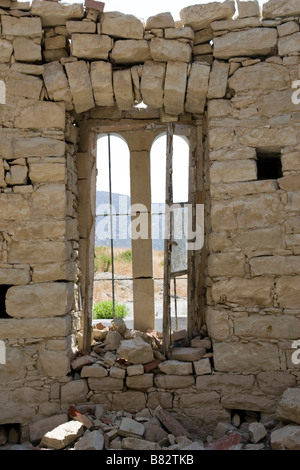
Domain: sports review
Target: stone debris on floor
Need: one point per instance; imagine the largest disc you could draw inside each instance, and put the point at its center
(130, 358)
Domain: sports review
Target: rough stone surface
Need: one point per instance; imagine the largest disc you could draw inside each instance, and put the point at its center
(201, 16)
(288, 408)
(136, 351)
(62, 435)
(256, 41)
(286, 438)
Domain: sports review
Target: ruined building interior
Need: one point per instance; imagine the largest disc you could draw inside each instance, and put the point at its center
(226, 78)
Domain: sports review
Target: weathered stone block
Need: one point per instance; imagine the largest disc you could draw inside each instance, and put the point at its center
(140, 381)
(248, 9)
(62, 435)
(177, 33)
(136, 351)
(17, 175)
(105, 384)
(197, 88)
(289, 44)
(217, 324)
(273, 265)
(38, 428)
(288, 408)
(129, 401)
(119, 25)
(80, 27)
(261, 76)
(277, 8)
(244, 401)
(122, 83)
(250, 357)
(47, 172)
(80, 85)
(35, 328)
(39, 300)
(256, 291)
(267, 326)
(251, 43)
(56, 82)
(101, 78)
(94, 371)
(218, 80)
(230, 172)
(173, 367)
(15, 276)
(262, 241)
(152, 84)
(74, 391)
(201, 16)
(6, 49)
(275, 382)
(288, 291)
(37, 252)
(49, 200)
(56, 14)
(164, 50)
(38, 147)
(286, 438)
(53, 363)
(223, 264)
(25, 27)
(170, 382)
(131, 51)
(91, 46)
(42, 115)
(175, 87)
(162, 20)
(130, 427)
(202, 367)
(288, 28)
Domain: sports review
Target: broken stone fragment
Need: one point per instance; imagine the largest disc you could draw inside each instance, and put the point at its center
(112, 340)
(162, 20)
(56, 14)
(257, 432)
(81, 361)
(174, 367)
(94, 371)
(38, 429)
(130, 427)
(170, 422)
(119, 325)
(91, 440)
(133, 443)
(201, 16)
(288, 408)
(119, 25)
(136, 351)
(250, 43)
(286, 438)
(187, 354)
(62, 435)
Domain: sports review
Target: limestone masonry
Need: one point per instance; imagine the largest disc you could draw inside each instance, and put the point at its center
(71, 72)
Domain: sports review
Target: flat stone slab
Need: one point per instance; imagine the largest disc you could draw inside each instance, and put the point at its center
(187, 354)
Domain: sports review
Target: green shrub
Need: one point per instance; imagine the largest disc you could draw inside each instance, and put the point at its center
(126, 256)
(102, 260)
(104, 310)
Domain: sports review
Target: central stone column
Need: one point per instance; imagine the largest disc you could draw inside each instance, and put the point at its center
(142, 260)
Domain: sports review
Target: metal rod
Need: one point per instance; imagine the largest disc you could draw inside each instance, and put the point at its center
(111, 230)
(175, 299)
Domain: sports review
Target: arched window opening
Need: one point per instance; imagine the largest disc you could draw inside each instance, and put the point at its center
(113, 255)
(180, 186)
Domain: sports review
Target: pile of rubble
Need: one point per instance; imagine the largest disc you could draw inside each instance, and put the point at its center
(122, 358)
(93, 427)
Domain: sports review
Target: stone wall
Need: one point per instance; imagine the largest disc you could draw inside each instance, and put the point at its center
(68, 68)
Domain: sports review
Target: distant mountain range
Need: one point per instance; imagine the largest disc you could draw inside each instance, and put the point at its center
(121, 223)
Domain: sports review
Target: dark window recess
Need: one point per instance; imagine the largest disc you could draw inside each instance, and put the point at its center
(3, 290)
(269, 166)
